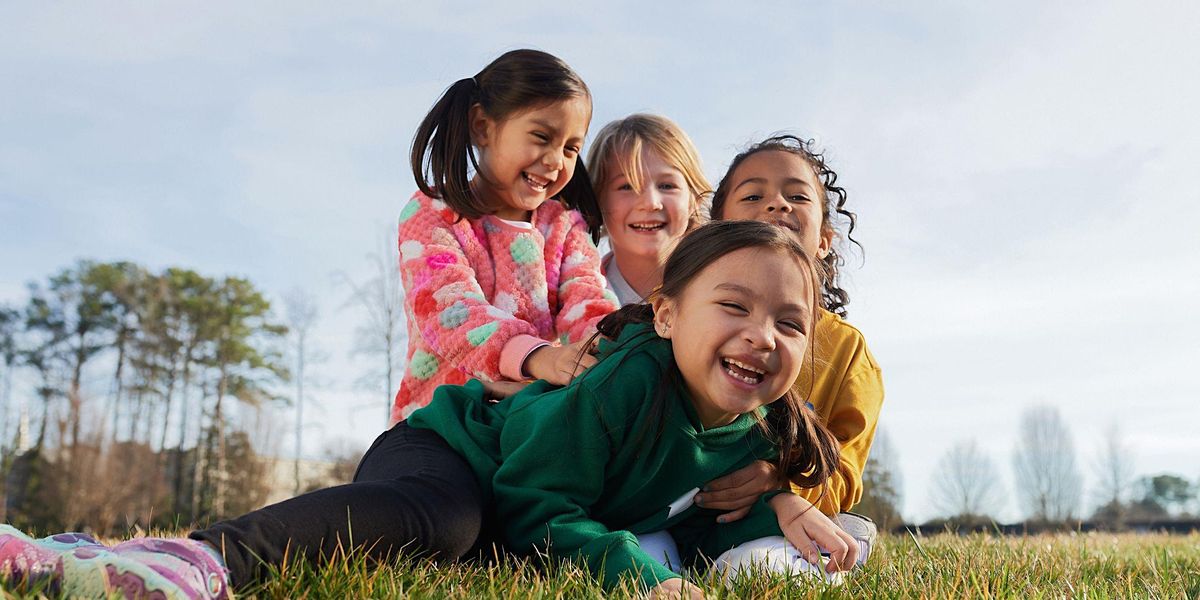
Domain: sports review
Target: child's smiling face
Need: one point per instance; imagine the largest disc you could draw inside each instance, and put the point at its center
(739, 331)
(528, 157)
(780, 187)
(646, 222)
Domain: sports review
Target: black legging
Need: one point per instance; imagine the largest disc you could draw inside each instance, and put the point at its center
(411, 492)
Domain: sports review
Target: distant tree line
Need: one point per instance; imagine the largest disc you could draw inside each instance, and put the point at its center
(135, 375)
(968, 492)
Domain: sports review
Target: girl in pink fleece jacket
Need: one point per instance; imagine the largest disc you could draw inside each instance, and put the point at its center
(497, 250)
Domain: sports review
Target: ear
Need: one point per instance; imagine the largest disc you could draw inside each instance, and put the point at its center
(825, 244)
(481, 126)
(664, 314)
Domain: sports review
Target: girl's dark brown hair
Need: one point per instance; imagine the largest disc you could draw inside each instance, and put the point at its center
(833, 297)
(443, 156)
(808, 453)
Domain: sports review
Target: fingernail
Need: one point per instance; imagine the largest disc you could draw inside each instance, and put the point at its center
(721, 519)
(698, 499)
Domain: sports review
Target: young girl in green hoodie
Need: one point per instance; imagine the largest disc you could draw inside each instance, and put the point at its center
(689, 387)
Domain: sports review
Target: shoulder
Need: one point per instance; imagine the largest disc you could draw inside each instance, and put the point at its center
(422, 208)
(839, 341)
(632, 364)
(553, 216)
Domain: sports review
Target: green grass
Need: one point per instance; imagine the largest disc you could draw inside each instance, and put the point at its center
(942, 566)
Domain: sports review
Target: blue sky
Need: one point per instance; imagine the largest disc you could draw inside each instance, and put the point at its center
(1022, 173)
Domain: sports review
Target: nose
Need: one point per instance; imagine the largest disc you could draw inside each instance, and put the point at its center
(761, 335)
(554, 159)
(650, 199)
(777, 203)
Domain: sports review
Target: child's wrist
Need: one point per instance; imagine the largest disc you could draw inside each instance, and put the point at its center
(515, 355)
(787, 504)
(527, 365)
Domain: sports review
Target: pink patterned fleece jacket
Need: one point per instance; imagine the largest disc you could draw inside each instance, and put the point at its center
(480, 294)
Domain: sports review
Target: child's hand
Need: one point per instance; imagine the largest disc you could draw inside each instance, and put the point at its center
(560, 364)
(738, 491)
(496, 391)
(806, 528)
(675, 588)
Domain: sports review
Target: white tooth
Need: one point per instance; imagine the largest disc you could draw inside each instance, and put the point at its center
(739, 377)
(535, 182)
(746, 366)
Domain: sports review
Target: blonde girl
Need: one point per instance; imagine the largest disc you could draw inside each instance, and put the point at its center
(652, 190)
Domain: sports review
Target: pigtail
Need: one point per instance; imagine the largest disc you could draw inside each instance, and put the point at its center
(579, 194)
(808, 452)
(612, 323)
(442, 154)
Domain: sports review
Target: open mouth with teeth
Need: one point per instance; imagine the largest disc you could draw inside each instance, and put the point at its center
(648, 226)
(742, 371)
(538, 183)
(786, 225)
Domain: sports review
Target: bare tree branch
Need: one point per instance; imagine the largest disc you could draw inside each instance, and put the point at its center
(1044, 464)
(966, 483)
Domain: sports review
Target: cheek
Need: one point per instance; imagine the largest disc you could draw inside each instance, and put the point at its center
(815, 216)
(568, 171)
(795, 355)
(741, 212)
(615, 207)
(678, 211)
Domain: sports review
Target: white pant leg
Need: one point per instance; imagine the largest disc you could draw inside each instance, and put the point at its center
(771, 555)
(661, 547)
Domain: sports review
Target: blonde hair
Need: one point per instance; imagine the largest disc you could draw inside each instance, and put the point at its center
(618, 146)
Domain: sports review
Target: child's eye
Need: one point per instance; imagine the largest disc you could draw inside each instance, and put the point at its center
(667, 186)
(625, 187)
(541, 136)
(751, 198)
(799, 198)
(733, 306)
(572, 150)
(793, 325)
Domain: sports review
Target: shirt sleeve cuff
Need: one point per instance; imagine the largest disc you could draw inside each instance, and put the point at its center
(514, 353)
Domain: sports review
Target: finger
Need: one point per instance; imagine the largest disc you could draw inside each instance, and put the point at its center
(729, 503)
(735, 515)
(558, 377)
(723, 498)
(503, 389)
(853, 552)
(837, 555)
(725, 482)
(804, 545)
(811, 553)
(584, 363)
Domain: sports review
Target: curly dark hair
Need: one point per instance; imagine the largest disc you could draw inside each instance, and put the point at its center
(833, 297)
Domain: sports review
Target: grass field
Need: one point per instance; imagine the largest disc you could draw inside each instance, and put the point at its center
(942, 566)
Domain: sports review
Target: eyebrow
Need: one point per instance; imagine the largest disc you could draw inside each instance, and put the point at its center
(763, 180)
(741, 289)
(553, 129)
(544, 125)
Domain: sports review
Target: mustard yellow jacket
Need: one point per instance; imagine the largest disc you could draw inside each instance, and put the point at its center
(845, 387)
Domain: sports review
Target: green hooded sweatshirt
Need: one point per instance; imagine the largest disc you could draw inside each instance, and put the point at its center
(578, 470)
